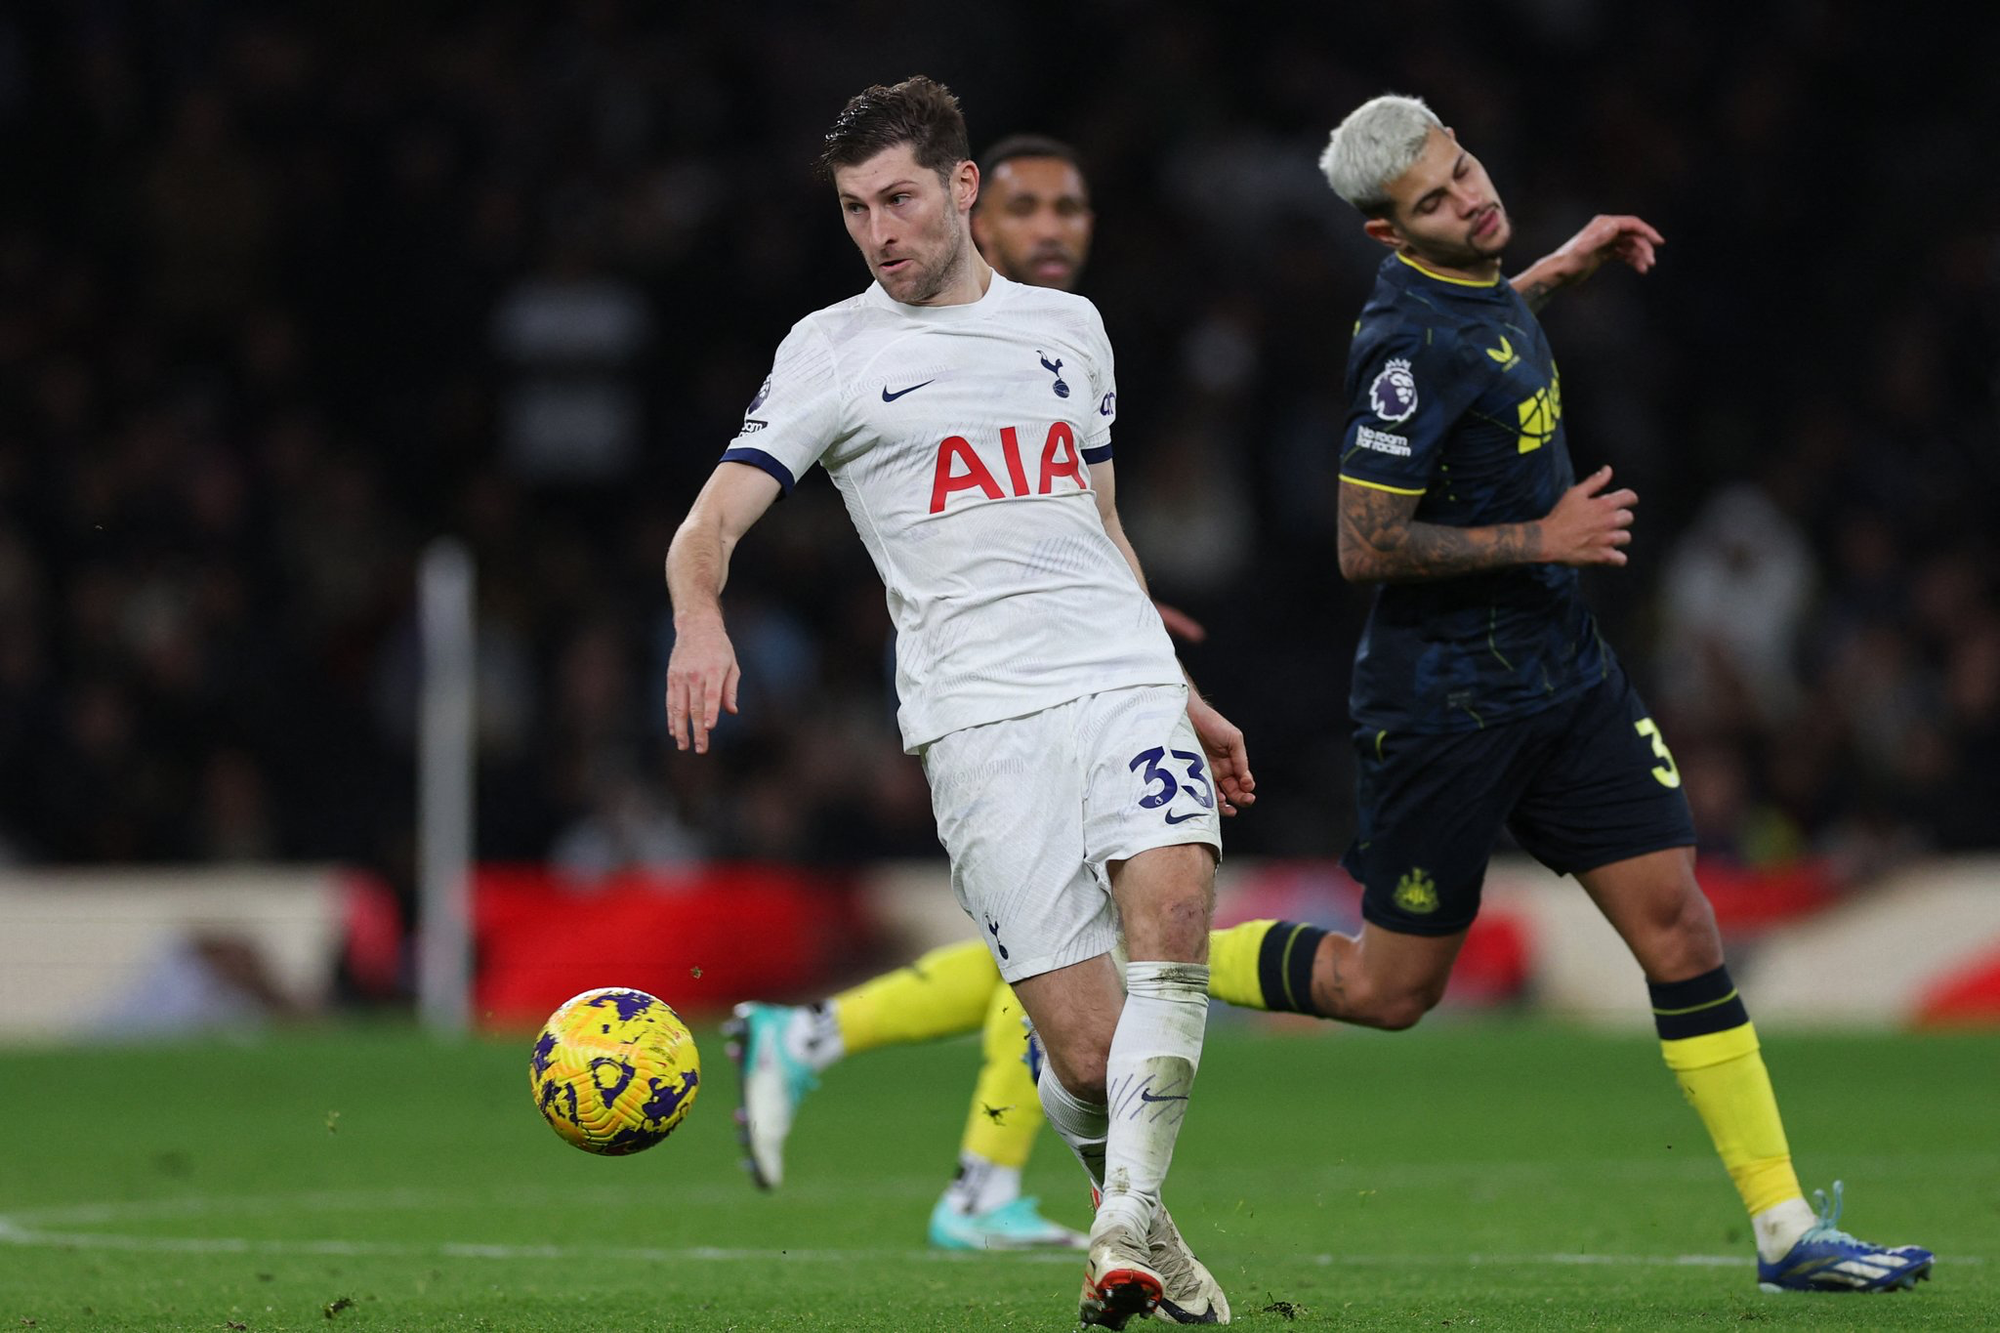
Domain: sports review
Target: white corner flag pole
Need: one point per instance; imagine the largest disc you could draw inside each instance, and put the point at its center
(445, 787)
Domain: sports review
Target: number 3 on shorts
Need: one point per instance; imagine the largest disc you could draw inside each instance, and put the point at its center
(1666, 772)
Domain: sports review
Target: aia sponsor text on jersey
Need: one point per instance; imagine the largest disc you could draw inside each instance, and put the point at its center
(960, 467)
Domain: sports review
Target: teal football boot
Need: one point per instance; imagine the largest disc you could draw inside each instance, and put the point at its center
(1017, 1224)
(771, 1082)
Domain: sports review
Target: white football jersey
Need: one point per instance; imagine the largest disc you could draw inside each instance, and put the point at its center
(961, 438)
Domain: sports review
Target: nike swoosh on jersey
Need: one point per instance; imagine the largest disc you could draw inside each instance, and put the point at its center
(888, 397)
(1182, 819)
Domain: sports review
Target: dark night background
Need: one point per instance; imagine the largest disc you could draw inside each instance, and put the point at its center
(288, 291)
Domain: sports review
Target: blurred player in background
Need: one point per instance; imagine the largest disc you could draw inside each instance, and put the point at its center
(1483, 693)
(1033, 223)
(1076, 778)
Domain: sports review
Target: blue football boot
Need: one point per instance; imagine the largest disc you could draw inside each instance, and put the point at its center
(1828, 1259)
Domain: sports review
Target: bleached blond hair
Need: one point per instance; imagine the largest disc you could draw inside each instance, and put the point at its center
(1377, 142)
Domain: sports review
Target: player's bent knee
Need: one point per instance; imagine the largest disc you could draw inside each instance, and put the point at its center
(1392, 1010)
(1166, 896)
(1399, 1013)
(1174, 930)
(1077, 1054)
(1682, 941)
(1079, 1073)
(1395, 1009)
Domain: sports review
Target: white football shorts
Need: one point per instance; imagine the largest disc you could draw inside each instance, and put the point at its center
(1032, 808)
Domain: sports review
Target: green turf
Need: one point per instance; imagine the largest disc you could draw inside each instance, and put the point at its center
(1482, 1175)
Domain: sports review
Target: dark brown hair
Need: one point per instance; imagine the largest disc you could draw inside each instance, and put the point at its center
(919, 111)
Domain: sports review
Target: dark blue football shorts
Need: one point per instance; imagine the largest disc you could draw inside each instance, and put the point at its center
(1583, 784)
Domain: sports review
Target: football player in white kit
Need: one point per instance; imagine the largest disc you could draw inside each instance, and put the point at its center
(1076, 778)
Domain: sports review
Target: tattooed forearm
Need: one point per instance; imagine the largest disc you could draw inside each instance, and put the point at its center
(1381, 543)
(1433, 551)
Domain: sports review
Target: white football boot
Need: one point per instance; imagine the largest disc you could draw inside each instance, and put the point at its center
(1118, 1281)
(1189, 1292)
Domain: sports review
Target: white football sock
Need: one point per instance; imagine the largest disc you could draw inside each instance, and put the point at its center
(1148, 1077)
(1077, 1123)
(982, 1185)
(1779, 1227)
(812, 1036)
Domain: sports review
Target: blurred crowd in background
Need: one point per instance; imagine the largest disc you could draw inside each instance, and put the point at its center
(287, 292)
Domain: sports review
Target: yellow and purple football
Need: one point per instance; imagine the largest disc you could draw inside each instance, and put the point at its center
(614, 1071)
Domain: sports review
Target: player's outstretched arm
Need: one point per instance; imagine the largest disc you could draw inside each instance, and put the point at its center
(702, 673)
(1382, 542)
(1606, 236)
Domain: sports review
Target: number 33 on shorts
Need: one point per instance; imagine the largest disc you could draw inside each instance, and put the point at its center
(1170, 773)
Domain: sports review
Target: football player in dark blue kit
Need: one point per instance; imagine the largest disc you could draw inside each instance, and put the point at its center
(1483, 694)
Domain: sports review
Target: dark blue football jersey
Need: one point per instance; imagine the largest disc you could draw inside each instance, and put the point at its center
(1453, 395)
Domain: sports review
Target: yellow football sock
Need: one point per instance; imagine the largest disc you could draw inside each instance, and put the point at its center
(1232, 963)
(1006, 1110)
(1721, 1072)
(942, 994)
(1264, 965)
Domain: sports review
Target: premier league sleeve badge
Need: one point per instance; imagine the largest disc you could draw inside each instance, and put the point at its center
(1393, 395)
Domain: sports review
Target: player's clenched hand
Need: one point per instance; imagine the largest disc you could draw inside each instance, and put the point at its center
(1589, 525)
(701, 681)
(1228, 760)
(1607, 236)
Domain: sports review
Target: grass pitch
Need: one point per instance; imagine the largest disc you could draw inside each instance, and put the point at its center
(1488, 1175)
